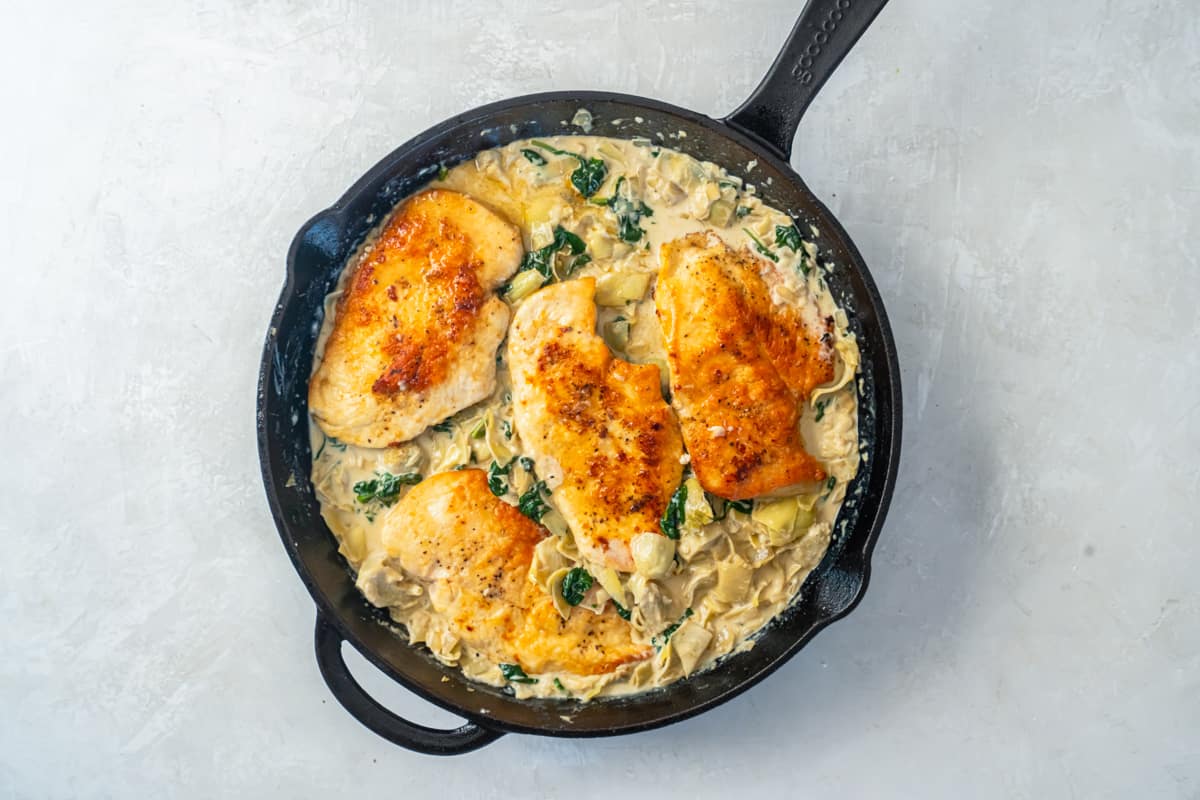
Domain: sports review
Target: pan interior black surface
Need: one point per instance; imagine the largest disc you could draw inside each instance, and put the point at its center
(321, 249)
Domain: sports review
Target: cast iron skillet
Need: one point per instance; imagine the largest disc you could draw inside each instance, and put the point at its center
(760, 131)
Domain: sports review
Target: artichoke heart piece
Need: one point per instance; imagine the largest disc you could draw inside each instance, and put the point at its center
(696, 511)
(784, 518)
(689, 643)
(555, 588)
(653, 554)
(610, 581)
(721, 213)
(554, 522)
(494, 437)
(454, 454)
(547, 562)
(733, 579)
(524, 284)
(615, 289)
(566, 541)
(616, 334)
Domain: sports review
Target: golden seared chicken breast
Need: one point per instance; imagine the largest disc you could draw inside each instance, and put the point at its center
(601, 435)
(472, 551)
(416, 332)
(740, 366)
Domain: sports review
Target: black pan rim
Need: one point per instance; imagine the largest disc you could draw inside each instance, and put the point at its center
(891, 421)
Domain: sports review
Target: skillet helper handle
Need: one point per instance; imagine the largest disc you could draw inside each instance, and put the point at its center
(825, 32)
(370, 713)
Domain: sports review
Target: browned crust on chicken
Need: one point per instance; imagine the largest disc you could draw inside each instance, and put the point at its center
(740, 367)
(416, 332)
(602, 422)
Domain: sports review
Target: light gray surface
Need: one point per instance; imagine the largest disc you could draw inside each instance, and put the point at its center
(1024, 180)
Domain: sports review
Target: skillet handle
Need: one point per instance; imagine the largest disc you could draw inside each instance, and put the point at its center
(825, 32)
(370, 713)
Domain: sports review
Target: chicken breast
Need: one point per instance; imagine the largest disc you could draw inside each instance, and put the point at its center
(416, 332)
(472, 551)
(740, 366)
(601, 435)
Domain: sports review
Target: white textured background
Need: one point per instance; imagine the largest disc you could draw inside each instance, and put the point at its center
(1024, 179)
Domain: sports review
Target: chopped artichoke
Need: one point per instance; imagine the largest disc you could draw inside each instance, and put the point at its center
(775, 515)
(720, 213)
(554, 587)
(653, 554)
(565, 540)
(554, 522)
(611, 582)
(805, 516)
(619, 288)
(733, 579)
(525, 284)
(675, 168)
(456, 453)
(547, 561)
(783, 518)
(354, 544)
(599, 244)
(521, 480)
(650, 605)
(616, 334)
(696, 511)
(689, 643)
(496, 443)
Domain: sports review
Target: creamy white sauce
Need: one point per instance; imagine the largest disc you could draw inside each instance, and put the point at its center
(733, 575)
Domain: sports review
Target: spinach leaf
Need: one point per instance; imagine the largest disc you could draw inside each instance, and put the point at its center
(588, 177)
(445, 426)
(442, 172)
(564, 238)
(496, 481)
(531, 503)
(821, 404)
(542, 259)
(558, 685)
(384, 487)
(744, 506)
(526, 464)
(506, 426)
(629, 213)
(534, 157)
(741, 211)
(575, 585)
(672, 518)
(760, 247)
(622, 611)
(514, 674)
(788, 236)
